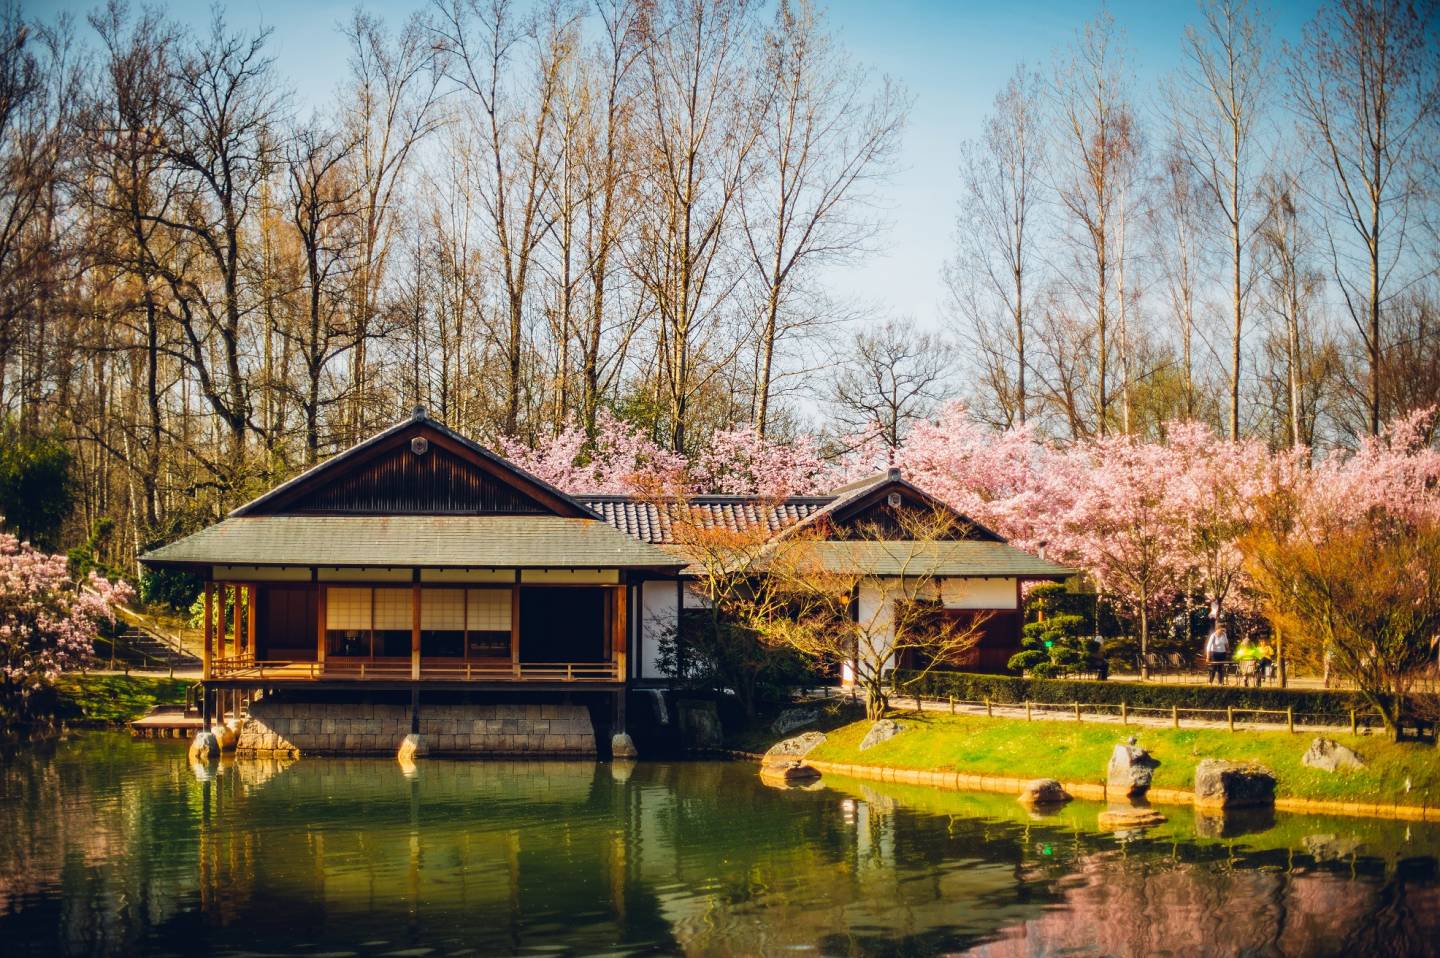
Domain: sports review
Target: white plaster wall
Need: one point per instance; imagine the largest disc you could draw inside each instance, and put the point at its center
(875, 613)
(658, 618)
(978, 593)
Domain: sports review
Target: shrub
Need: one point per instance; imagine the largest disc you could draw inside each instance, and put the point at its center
(1008, 690)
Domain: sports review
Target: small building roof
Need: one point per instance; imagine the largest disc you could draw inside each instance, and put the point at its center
(529, 541)
(964, 558)
(655, 520)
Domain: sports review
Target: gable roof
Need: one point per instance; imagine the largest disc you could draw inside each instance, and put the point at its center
(477, 542)
(460, 478)
(654, 520)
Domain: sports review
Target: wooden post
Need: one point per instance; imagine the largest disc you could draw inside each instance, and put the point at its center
(250, 619)
(989, 709)
(235, 608)
(617, 625)
(1230, 717)
(1124, 713)
(1175, 716)
(1077, 711)
(209, 629)
(1353, 729)
(1290, 718)
(515, 625)
(320, 623)
(1027, 710)
(415, 626)
(918, 706)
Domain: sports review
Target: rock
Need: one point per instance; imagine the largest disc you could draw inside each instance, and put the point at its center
(622, 746)
(785, 774)
(1330, 756)
(794, 748)
(1221, 784)
(205, 746)
(1128, 818)
(699, 724)
(1233, 822)
(412, 747)
(226, 735)
(1130, 769)
(1044, 791)
(791, 719)
(882, 731)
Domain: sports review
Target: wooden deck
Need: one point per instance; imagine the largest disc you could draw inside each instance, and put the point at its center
(245, 669)
(167, 721)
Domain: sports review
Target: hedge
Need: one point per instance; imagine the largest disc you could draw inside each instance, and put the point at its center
(1009, 689)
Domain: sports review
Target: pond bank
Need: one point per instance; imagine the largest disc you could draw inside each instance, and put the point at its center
(1399, 781)
(113, 700)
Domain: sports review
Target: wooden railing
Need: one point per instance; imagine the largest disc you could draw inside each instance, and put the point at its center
(366, 670)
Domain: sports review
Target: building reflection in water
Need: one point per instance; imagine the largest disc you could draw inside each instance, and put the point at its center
(698, 858)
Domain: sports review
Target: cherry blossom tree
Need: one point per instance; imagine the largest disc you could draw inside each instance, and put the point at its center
(743, 462)
(1004, 480)
(1124, 526)
(47, 624)
(620, 459)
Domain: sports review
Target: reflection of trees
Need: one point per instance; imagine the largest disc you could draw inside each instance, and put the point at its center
(691, 857)
(110, 821)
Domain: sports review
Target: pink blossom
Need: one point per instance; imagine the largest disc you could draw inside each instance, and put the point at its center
(620, 459)
(47, 623)
(742, 462)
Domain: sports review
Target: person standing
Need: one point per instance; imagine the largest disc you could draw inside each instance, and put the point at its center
(1217, 653)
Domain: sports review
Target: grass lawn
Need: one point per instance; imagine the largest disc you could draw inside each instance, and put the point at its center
(1079, 752)
(115, 699)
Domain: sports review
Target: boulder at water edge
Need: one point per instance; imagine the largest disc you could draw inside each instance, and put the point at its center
(1044, 791)
(1130, 769)
(1221, 784)
(1123, 818)
(791, 719)
(793, 748)
(1330, 756)
(785, 774)
(205, 747)
(622, 746)
(412, 747)
(882, 731)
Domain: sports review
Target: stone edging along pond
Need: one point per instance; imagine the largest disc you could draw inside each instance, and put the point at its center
(963, 781)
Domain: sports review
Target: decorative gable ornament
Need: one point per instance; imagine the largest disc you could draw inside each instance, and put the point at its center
(419, 445)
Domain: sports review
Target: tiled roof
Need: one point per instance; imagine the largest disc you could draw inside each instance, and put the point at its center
(654, 521)
(965, 558)
(434, 541)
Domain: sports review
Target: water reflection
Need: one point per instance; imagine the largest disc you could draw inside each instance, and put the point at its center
(116, 846)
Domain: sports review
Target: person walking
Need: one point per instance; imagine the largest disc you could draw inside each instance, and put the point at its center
(1217, 653)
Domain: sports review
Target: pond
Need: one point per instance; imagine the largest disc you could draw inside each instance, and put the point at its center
(114, 846)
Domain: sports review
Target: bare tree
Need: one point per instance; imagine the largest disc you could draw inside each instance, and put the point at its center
(1366, 85)
(826, 141)
(1217, 111)
(992, 278)
(1175, 220)
(325, 211)
(484, 41)
(1095, 156)
(889, 378)
(700, 131)
(1292, 282)
(390, 108)
(216, 138)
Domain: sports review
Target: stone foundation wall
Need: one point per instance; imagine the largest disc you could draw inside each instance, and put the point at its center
(340, 728)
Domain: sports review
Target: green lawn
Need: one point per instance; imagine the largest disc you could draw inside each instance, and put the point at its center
(115, 699)
(1078, 753)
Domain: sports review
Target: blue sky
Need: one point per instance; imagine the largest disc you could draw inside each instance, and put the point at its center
(951, 56)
